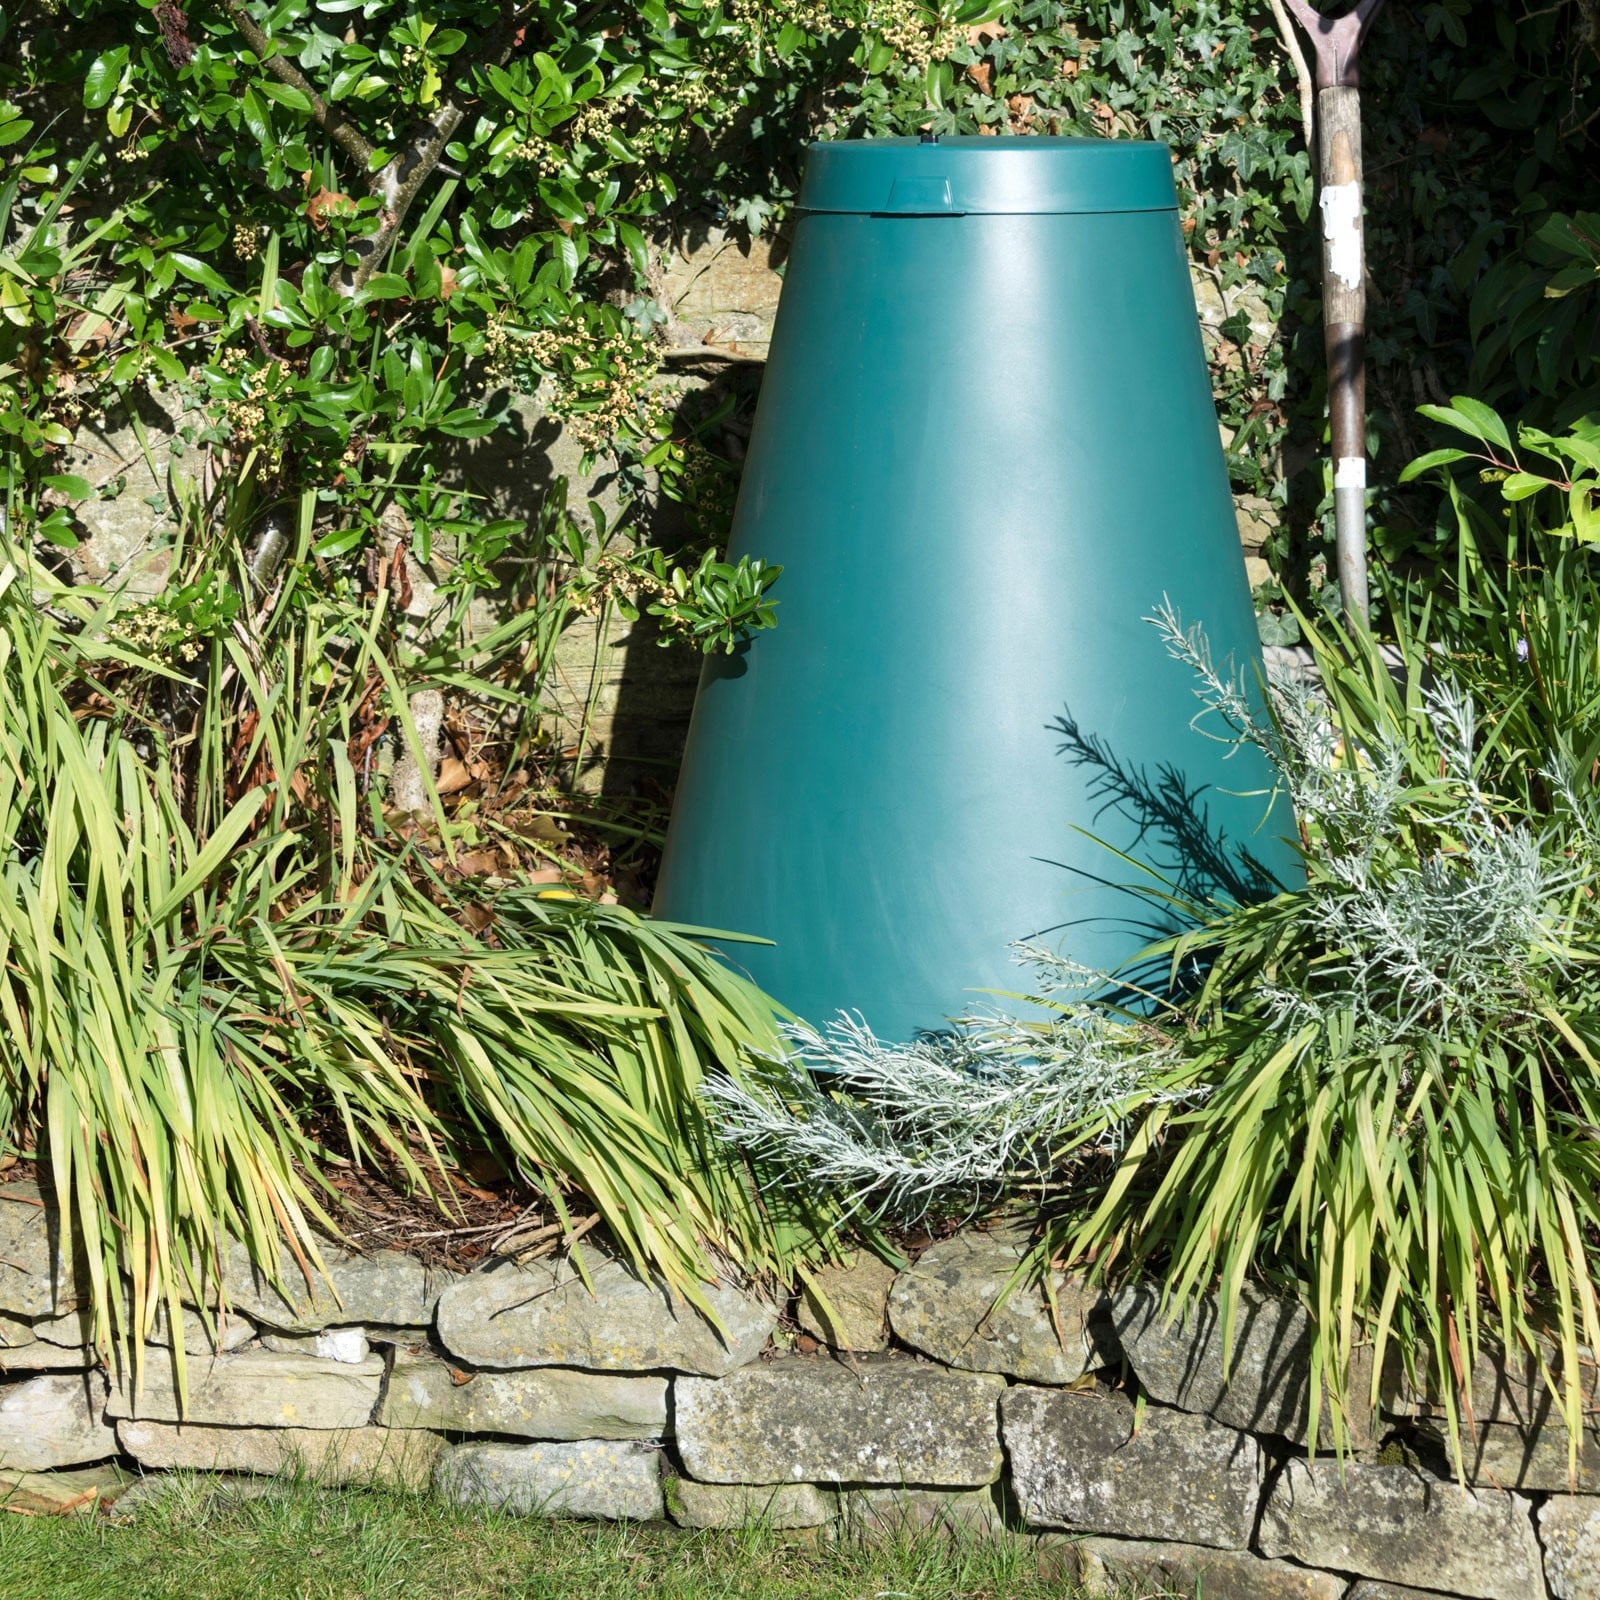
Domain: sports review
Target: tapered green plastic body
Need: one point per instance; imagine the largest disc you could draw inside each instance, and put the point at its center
(985, 453)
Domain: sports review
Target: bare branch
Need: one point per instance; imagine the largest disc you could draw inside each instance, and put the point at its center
(1302, 70)
(398, 184)
(329, 118)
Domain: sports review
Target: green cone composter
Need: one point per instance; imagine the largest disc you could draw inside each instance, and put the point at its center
(985, 453)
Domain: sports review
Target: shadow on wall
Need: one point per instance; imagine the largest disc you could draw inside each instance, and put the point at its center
(654, 684)
(619, 700)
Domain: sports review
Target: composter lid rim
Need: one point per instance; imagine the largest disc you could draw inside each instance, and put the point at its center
(977, 176)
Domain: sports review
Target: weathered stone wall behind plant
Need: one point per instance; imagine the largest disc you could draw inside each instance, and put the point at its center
(1114, 1445)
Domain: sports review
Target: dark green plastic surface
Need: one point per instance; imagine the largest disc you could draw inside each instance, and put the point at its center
(985, 450)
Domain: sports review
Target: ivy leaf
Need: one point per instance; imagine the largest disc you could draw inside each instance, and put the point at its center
(1246, 152)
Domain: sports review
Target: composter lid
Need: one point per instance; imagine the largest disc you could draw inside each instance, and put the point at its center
(988, 177)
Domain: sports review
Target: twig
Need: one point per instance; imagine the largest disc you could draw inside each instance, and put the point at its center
(1302, 70)
(329, 118)
(399, 182)
(516, 1240)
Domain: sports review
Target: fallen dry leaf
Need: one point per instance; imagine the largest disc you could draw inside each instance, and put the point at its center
(454, 776)
(329, 205)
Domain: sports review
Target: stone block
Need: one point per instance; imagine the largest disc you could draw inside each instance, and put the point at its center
(1078, 1461)
(1141, 1567)
(722, 292)
(533, 1403)
(127, 543)
(1215, 305)
(1569, 1529)
(546, 1316)
(349, 1345)
(55, 1421)
(54, 1494)
(35, 1279)
(387, 1287)
(1265, 1388)
(232, 1331)
(1376, 1589)
(256, 1389)
(1402, 1526)
(856, 1316)
(1510, 1390)
(354, 1455)
(22, 1351)
(1258, 520)
(946, 1307)
(1505, 1456)
(596, 1478)
(896, 1513)
(401, 1338)
(742, 1505)
(885, 1420)
(76, 1330)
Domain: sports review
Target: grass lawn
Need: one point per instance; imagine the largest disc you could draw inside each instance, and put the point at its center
(296, 1543)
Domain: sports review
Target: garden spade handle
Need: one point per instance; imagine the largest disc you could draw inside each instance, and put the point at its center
(1337, 43)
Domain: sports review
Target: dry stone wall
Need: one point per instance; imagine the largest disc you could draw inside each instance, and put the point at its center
(1104, 1435)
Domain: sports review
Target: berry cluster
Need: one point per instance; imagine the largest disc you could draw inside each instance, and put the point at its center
(903, 26)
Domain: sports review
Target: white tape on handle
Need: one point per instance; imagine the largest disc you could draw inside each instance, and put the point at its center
(1341, 228)
(1350, 472)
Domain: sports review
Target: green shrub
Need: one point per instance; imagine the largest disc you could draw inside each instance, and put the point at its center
(560, 146)
(194, 1022)
(1394, 1073)
(1389, 1081)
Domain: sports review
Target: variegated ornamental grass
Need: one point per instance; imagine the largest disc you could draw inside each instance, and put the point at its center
(193, 1021)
